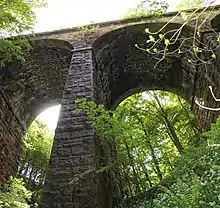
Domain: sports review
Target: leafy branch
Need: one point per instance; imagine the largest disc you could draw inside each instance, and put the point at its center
(167, 42)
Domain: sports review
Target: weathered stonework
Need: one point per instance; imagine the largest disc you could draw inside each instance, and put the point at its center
(206, 77)
(123, 70)
(101, 64)
(74, 146)
(26, 90)
(11, 131)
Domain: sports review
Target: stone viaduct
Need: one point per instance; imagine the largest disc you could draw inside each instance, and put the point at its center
(99, 62)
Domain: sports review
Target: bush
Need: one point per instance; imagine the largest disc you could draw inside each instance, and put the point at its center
(14, 194)
(197, 178)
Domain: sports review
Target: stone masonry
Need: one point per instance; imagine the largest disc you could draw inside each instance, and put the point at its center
(74, 146)
(99, 62)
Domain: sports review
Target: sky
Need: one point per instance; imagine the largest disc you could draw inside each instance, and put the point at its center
(69, 13)
(50, 117)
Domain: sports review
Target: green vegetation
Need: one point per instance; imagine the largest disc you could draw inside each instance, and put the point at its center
(147, 7)
(157, 145)
(150, 142)
(87, 30)
(16, 18)
(165, 42)
(25, 190)
(14, 194)
(190, 4)
(36, 153)
(196, 175)
(150, 130)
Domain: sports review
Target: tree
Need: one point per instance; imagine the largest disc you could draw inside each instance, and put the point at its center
(25, 190)
(195, 173)
(14, 194)
(196, 178)
(168, 43)
(36, 154)
(16, 18)
(147, 7)
(190, 4)
(148, 131)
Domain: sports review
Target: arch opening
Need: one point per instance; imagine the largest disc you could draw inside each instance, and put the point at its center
(36, 150)
(123, 69)
(150, 130)
(28, 88)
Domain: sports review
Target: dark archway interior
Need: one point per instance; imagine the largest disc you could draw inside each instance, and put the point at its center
(122, 69)
(26, 89)
(38, 83)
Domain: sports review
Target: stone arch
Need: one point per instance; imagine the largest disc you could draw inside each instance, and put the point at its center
(122, 69)
(26, 89)
(37, 83)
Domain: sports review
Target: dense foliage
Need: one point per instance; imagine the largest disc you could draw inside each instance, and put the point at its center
(144, 128)
(151, 141)
(196, 176)
(36, 153)
(16, 18)
(14, 194)
(25, 190)
(147, 7)
(150, 130)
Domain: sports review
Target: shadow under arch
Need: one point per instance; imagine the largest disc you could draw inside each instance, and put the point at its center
(26, 89)
(122, 69)
(38, 83)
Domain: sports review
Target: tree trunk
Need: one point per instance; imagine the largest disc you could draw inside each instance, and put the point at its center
(127, 181)
(145, 170)
(30, 177)
(135, 175)
(153, 155)
(193, 126)
(146, 175)
(26, 171)
(170, 126)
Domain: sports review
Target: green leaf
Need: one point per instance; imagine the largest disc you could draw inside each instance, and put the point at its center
(166, 42)
(151, 39)
(147, 30)
(161, 36)
(218, 38)
(197, 50)
(179, 51)
(213, 56)
(184, 15)
(16, 18)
